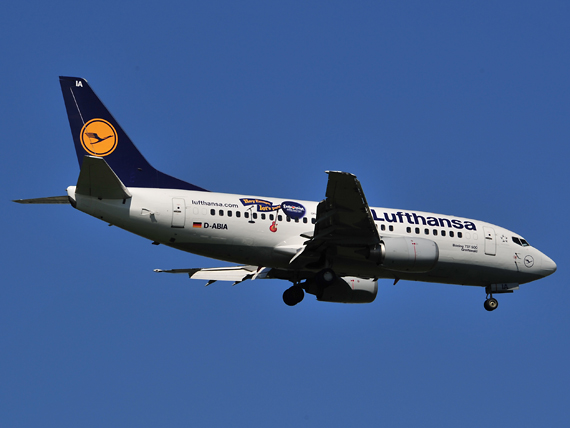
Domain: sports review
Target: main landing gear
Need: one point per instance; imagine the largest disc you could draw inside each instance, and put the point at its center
(491, 303)
(296, 293)
(293, 295)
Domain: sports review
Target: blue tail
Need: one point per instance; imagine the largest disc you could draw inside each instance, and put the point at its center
(96, 133)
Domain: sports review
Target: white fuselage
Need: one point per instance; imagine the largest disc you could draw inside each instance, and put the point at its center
(252, 230)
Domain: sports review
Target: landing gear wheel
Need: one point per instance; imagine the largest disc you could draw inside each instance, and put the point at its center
(491, 304)
(325, 277)
(293, 295)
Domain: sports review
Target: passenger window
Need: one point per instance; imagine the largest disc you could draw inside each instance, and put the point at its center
(391, 228)
(238, 214)
(280, 217)
(426, 231)
(409, 229)
(288, 218)
(443, 233)
(435, 232)
(296, 220)
(313, 220)
(262, 216)
(254, 215)
(417, 230)
(383, 227)
(221, 212)
(229, 213)
(451, 233)
(213, 212)
(271, 216)
(459, 234)
(305, 220)
(246, 214)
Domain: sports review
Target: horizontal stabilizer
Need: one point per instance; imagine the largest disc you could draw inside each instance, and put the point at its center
(98, 179)
(48, 200)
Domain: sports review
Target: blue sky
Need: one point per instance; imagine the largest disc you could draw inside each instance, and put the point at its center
(459, 108)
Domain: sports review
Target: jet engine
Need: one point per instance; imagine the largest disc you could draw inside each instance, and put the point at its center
(348, 289)
(406, 254)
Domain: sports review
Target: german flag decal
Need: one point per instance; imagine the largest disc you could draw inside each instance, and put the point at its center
(197, 224)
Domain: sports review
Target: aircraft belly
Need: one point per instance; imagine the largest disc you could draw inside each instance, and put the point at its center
(235, 253)
(461, 274)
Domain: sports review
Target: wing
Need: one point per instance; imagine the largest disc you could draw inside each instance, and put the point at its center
(343, 220)
(232, 273)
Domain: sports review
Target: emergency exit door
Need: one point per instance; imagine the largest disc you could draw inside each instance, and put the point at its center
(178, 212)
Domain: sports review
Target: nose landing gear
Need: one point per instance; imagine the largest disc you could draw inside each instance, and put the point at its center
(491, 303)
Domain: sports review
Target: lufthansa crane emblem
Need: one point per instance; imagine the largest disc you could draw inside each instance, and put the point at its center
(98, 137)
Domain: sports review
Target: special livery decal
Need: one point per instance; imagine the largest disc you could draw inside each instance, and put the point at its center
(293, 209)
(262, 205)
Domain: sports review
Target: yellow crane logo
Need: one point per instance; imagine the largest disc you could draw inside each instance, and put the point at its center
(98, 137)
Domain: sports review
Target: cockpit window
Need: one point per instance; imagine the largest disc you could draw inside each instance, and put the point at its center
(521, 242)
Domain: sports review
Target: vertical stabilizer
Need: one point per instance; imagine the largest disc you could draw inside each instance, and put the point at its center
(96, 133)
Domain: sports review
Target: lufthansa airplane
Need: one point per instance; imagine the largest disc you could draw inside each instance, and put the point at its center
(336, 249)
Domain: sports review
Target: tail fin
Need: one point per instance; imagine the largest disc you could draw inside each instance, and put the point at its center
(96, 133)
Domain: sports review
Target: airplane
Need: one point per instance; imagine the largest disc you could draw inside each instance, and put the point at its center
(336, 249)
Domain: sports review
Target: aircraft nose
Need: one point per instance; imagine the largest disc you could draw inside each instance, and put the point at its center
(548, 265)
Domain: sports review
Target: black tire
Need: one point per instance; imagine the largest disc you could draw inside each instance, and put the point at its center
(491, 304)
(289, 298)
(293, 295)
(298, 293)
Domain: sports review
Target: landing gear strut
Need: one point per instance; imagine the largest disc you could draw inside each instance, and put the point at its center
(293, 295)
(491, 303)
(325, 277)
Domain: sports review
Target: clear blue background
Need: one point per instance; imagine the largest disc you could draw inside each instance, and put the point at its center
(452, 107)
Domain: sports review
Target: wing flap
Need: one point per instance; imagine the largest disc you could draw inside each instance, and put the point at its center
(231, 273)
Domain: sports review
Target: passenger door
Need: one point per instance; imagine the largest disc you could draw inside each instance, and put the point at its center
(178, 212)
(490, 241)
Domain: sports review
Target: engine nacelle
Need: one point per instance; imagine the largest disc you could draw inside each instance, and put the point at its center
(406, 254)
(348, 289)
